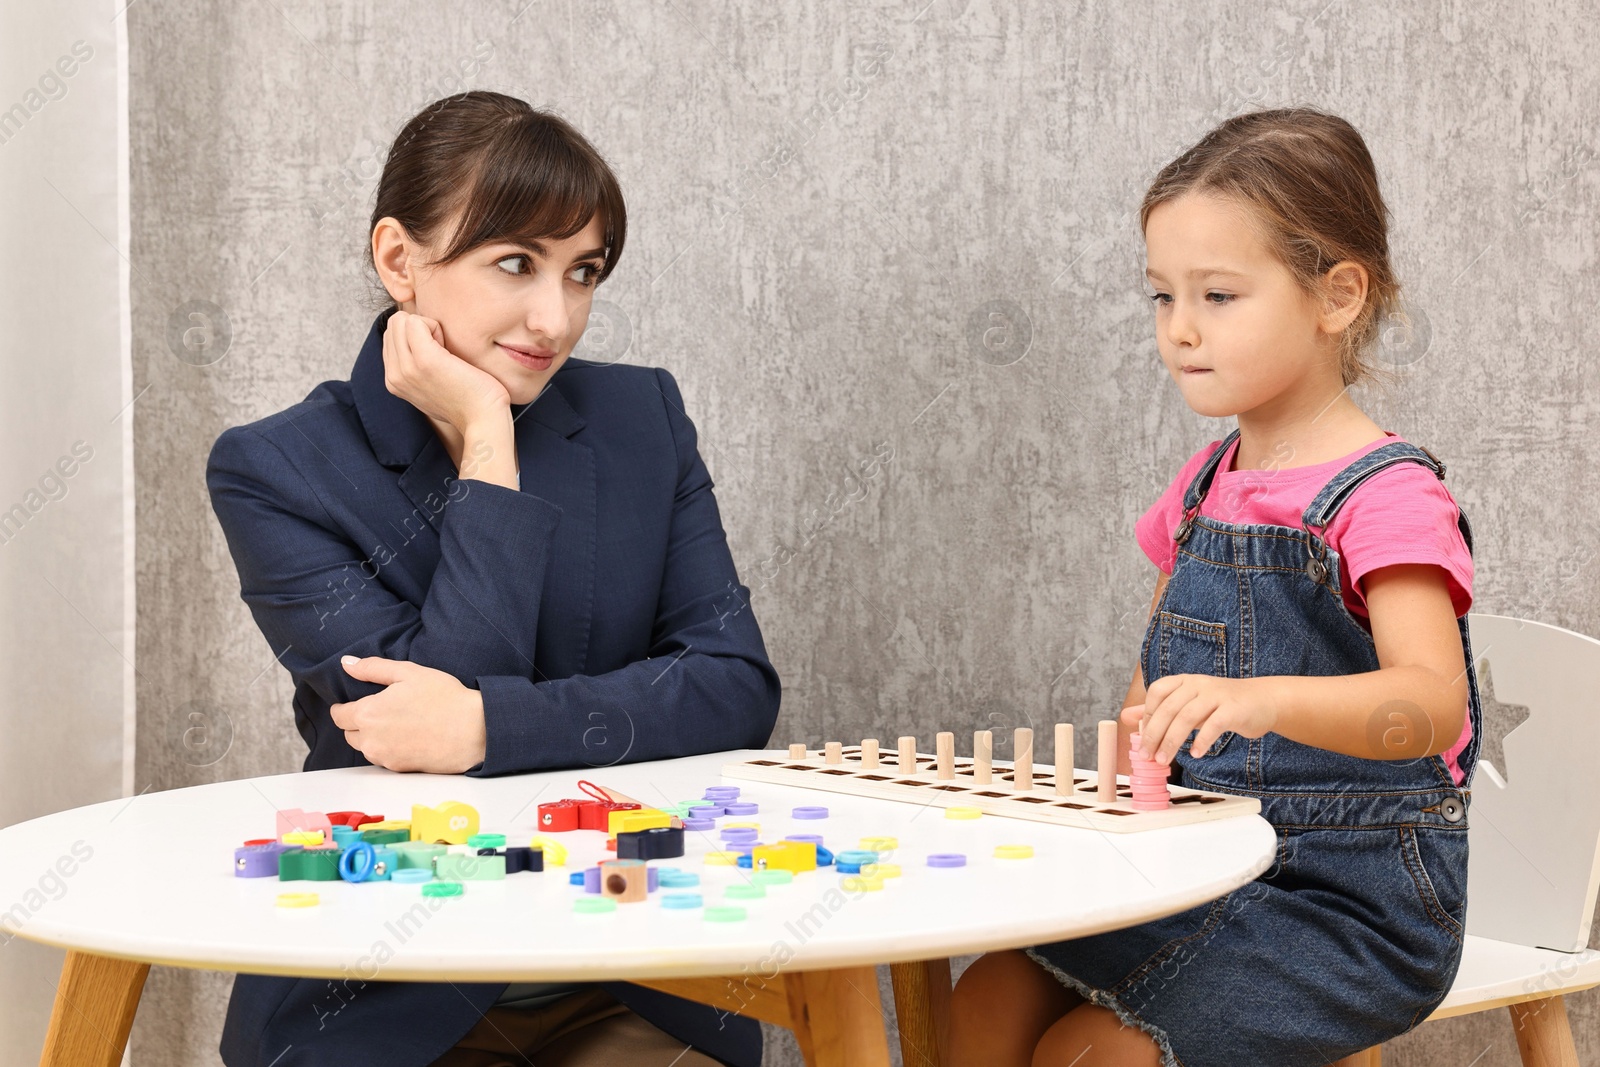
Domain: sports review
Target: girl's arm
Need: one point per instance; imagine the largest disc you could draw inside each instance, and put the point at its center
(1414, 705)
(1128, 721)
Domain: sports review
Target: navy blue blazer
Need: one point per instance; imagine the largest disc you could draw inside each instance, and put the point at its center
(597, 610)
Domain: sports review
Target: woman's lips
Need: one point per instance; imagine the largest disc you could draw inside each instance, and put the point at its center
(532, 362)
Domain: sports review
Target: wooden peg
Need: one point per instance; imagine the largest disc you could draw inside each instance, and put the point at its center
(797, 752)
(983, 757)
(1022, 763)
(832, 753)
(869, 752)
(908, 755)
(1106, 774)
(944, 751)
(1064, 759)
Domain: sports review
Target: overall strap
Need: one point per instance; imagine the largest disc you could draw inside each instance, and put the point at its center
(1326, 504)
(1199, 485)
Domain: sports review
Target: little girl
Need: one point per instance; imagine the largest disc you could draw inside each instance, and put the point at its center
(1307, 647)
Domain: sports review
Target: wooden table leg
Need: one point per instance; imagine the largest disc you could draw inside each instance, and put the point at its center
(1544, 1036)
(836, 1015)
(922, 1006)
(93, 1013)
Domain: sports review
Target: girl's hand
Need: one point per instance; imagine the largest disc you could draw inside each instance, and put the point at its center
(425, 720)
(1178, 703)
(437, 382)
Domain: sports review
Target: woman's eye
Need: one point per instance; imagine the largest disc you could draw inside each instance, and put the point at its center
(1159, 297)
(1219, 298)
(500, 263)
(590, 273)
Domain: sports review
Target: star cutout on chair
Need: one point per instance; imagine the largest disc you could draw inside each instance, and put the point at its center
(1498, 721)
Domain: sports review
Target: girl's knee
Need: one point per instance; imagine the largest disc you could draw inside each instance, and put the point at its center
(1092, 1036)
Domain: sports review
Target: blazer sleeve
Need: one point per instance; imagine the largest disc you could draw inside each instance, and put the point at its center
(315, 597)
(706, 686)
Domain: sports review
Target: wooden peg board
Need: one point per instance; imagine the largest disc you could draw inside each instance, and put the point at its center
(1040, 804)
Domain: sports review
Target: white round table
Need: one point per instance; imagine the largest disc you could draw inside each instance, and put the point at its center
(150, 880)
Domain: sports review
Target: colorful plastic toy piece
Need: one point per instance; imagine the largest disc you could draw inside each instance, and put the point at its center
(724, 913)
(673, 878)
(298, 900)
(630, 821)
(417, 854)
(410, 875)
(775, 877)
(559, 816)
(593, 905)
(308, 865)
(291, 819)
(386, 824)
(442, 889)
(303, 838)
(518, 860)
(745, 891)
(555, 853)
(625, 881)
(947, 859)
(482, 841)
(353, 819)
(457, 868)
(792, 856)
(681, 901)
(656, 843)
(357, 861)
(257, 861)
(596, 814)
(451, 823)
(1013, 852)
(384, 861)
(389, 836)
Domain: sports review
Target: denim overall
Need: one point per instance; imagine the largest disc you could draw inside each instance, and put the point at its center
(1354, 935)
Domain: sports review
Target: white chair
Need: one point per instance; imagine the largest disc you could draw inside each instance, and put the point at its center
(1534, 839)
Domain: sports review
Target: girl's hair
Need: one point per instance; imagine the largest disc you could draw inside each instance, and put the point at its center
(504, 171)
(1309, 181)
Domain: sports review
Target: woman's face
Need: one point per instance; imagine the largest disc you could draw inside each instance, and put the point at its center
(1235, 329)
(514, 311)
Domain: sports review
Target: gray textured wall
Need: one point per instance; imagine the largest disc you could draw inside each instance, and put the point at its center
(828, 204)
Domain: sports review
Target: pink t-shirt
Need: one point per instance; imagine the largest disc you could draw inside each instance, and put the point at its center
(1402, 514)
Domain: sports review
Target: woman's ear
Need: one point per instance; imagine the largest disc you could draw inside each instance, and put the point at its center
(1345, 294)
(394, 255)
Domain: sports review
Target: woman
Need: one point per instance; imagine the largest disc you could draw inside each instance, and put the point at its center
(466, 554)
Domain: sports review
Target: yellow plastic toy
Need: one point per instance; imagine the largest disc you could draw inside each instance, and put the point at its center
(793, 856)
(629, 820)
(555, 853)
(451, 823)
(308, 838)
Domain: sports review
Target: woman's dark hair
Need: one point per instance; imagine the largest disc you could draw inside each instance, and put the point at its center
(503, 171)
(1309, 182)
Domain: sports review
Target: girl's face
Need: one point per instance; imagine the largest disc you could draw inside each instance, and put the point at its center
(1235, 330)
(514, 311)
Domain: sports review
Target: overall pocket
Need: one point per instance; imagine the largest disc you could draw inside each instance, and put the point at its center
(1436, 861)
(1193, 646)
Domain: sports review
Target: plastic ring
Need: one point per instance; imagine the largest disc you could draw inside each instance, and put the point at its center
(356, 863)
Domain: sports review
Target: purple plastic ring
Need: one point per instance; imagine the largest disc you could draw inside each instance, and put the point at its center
(809, 812)
(815, 839)
(741, 807)
(947, 859)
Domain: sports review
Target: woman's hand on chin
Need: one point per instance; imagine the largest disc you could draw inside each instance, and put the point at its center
(437, 382)
(425, 720)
